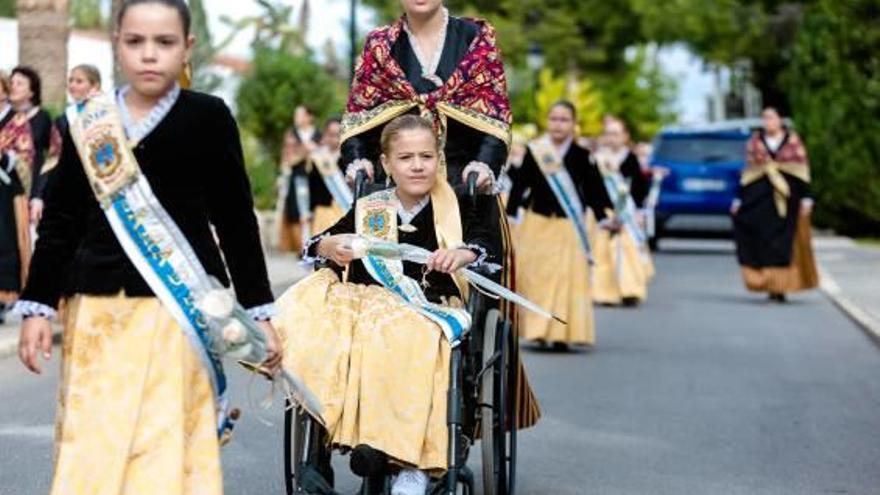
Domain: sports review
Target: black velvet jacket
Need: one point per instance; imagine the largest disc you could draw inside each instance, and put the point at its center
(639, 185)
(319, 195)
(584, 173)
(478, 229)
(194, 163)
(41, 133)
(463, 144)
(291, 206)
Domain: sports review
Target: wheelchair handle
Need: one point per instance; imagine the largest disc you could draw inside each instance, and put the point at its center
(472, 186)
(360, 181)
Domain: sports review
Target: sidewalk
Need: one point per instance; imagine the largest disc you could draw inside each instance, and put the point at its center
(850, 276)
(284, 270)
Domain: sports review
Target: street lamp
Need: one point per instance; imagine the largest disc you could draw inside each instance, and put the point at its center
(535, 58)
(535, 62)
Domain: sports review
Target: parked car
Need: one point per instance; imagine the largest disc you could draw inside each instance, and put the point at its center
(703, 166)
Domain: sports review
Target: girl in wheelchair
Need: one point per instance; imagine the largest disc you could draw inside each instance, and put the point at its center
(371, 336)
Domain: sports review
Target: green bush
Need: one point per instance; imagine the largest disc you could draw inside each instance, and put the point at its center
(266, 101)
(7, 8)
(277, 84)
(262, 171)
(835, 95)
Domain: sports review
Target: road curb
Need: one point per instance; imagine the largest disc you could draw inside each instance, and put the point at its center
(831, 289)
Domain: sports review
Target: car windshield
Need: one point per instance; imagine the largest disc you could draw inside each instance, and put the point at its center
(700, 149)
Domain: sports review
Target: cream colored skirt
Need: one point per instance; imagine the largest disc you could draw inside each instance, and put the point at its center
(380, 369)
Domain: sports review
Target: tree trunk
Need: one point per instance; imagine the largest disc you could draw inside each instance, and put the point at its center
(43, 30)
(114, 12)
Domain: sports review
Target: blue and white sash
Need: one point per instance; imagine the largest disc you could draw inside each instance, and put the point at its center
(328, 167)
(563, 187)
(376, 217)
(651, 203)
(624, 206)
(213, 322)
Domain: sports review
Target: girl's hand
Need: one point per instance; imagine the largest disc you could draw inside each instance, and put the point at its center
(450, 260)
(35, 339)
(274, 352)
(36, 213)
(806, 207)
(336, 248)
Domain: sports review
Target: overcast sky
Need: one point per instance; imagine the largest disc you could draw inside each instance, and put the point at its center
(329, 20)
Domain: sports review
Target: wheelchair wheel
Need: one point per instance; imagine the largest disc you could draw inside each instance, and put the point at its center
(498, 415)
(302, 449)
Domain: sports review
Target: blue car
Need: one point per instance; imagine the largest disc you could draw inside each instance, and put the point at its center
(703, 166)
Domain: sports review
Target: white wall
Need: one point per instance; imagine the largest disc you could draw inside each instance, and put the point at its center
(82, 48)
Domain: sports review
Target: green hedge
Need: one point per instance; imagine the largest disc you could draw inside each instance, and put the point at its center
(834, 88)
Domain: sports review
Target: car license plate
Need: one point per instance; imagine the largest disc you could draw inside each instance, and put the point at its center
(703, 185)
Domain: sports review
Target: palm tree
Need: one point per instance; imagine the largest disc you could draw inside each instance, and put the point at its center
(43, 29)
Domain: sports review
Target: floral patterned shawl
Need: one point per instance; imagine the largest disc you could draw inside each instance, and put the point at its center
(475, 94)
(16, 137)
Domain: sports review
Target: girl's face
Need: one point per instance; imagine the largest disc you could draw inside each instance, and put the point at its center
(560, 123)
(20, 90)
(615, 134)
(152, 48)
(772, 121)
(420, 7)
(79, 86)
(412, 161)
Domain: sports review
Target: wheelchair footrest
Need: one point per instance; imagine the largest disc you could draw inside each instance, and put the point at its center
(311, 481)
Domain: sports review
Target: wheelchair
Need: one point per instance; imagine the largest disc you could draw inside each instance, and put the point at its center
(481, 407)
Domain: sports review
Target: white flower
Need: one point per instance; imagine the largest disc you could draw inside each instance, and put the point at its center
(245, 352)
(359, 247)
(217, 303)
(234, 332)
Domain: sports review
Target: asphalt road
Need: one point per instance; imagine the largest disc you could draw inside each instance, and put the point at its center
(702, 390)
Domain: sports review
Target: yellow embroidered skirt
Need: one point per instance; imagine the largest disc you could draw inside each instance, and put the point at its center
(620, 270)
(552, 271)
(325, 217)
(379, 369)
(800, 275)
(135, 404)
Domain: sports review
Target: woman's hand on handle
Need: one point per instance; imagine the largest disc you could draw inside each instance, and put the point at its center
(484, 174)
(35, 339)
(359, 164)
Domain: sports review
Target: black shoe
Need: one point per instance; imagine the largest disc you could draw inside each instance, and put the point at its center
(630, 302)
(373, 486)
(367, 462)
(777, 297)
(560, 347)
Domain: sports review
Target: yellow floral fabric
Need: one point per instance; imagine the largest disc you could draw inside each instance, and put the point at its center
(135, 403)
(621, 269)
(380, 369)
(325, 217)
(552, 271)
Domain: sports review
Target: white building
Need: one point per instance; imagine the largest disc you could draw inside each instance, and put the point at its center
(83, 47)
(94, 47)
